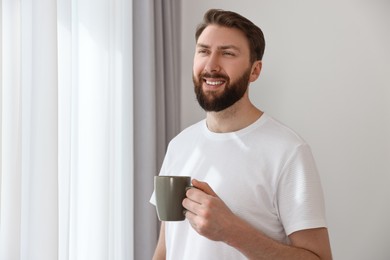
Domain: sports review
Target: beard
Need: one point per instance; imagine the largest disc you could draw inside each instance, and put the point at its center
(212, 101)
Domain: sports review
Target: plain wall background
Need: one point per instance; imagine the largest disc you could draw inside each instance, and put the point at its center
(326, 74)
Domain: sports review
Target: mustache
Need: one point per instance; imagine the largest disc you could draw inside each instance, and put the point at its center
(213, 75)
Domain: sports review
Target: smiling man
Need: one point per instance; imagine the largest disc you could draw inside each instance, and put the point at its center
(257, 193)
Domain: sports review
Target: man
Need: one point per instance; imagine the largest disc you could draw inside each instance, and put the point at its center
(257, 193)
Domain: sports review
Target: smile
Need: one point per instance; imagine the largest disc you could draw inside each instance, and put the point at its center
(214, 83)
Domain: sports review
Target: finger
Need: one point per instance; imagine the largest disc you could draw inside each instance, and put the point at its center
(191, 206)
(204, 186)
(192, 218)
(197, 195)
(189, 216)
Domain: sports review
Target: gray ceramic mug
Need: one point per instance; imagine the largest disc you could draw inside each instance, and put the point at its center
(170, 192)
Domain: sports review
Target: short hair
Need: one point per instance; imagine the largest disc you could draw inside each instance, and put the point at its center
(231, 19)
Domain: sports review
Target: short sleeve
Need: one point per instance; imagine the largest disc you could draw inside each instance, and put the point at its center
(300, 200)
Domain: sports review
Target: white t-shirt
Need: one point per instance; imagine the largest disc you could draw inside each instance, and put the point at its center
(265, 173)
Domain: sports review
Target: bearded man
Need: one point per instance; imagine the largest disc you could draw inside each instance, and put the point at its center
(257, 193)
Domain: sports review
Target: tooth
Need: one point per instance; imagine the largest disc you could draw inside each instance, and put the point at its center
(214, 82)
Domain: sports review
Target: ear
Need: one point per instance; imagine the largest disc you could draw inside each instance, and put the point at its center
(256, 69)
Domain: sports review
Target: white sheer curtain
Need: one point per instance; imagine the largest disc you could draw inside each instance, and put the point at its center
(66, 189)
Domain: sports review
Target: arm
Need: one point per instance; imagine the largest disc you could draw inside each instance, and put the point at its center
(211, 218)
(160, 253)
(305, 244)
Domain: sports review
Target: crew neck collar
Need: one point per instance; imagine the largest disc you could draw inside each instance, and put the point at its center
(243, 131)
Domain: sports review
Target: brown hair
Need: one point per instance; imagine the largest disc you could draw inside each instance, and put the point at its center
(233, 20)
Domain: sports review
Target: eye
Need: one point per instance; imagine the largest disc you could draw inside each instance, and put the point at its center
(203, 51)
(228, 53)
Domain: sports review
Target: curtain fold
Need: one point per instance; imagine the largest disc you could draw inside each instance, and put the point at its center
(10, 218)
(98, 172)
(66, 189)
(39, 127)
(29, 127)
(156, 106)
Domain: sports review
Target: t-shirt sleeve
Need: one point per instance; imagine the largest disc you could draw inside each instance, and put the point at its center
(153, 199)
(299, 194)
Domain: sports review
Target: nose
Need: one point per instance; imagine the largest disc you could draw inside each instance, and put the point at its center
(212, 64)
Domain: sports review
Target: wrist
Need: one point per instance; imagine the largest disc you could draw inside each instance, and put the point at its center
(235, 232)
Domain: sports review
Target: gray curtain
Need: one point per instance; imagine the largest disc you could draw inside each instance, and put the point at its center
(156, 50)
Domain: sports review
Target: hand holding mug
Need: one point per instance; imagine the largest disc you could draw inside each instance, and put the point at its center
(207, 213)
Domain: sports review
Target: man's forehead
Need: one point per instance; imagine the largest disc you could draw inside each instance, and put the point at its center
(222, 38)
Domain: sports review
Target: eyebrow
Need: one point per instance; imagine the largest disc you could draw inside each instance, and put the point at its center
(223, 47)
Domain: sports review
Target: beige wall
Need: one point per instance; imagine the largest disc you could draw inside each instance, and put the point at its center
(326, 74)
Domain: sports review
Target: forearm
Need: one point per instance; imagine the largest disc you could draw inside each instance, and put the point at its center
(255, 245)
(211, 218)
(160, 252)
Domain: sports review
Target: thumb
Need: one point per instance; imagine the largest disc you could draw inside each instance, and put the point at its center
(204, 186)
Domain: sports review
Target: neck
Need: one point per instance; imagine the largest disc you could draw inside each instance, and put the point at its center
(238, 116)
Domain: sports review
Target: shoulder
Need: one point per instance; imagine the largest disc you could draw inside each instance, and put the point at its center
(280, 134)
